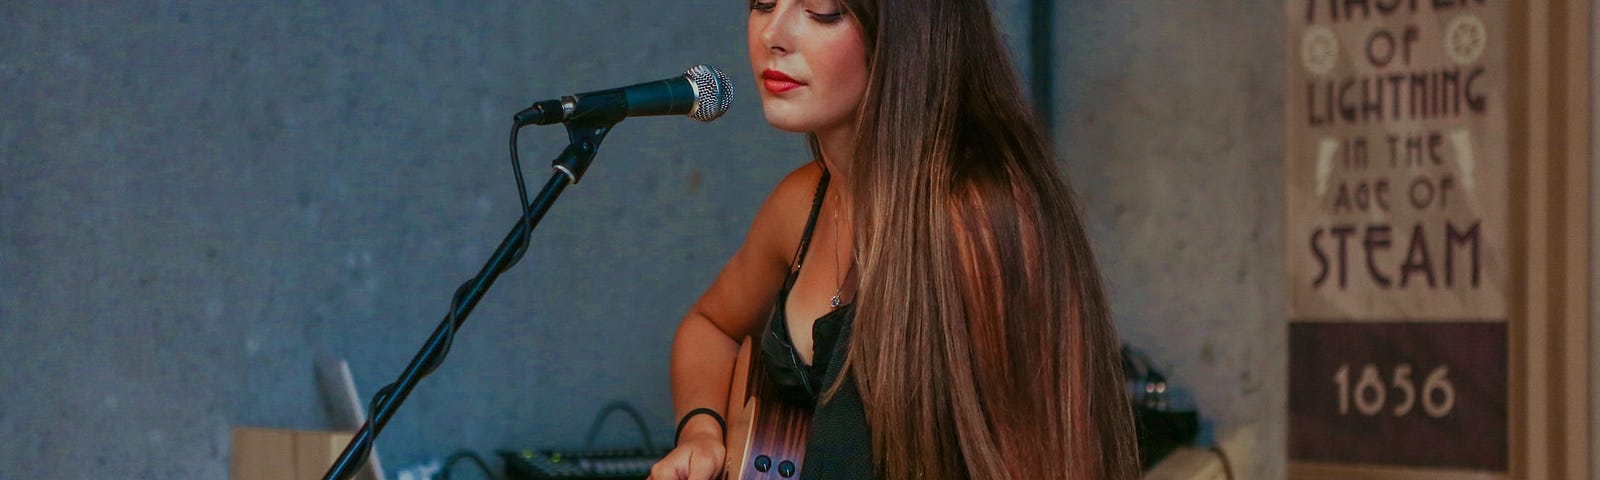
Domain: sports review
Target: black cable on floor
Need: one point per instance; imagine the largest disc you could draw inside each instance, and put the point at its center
(450, 461)
(1227, 466)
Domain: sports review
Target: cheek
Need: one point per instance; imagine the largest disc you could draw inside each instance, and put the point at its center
(845, 63)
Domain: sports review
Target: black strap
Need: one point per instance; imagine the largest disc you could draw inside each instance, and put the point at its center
(811, 223)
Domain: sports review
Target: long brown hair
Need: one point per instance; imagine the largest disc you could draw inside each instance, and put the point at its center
(983, 344)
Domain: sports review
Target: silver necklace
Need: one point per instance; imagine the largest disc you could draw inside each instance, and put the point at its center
(839, 279)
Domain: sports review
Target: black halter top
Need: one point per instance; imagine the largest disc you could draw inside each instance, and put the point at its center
(796, 381)
(839, 445)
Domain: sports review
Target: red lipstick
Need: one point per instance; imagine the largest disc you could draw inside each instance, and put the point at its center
(776, 82)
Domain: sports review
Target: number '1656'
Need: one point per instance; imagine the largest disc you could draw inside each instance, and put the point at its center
(1371, 393)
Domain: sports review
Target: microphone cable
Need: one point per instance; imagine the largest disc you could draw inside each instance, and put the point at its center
(525, 228)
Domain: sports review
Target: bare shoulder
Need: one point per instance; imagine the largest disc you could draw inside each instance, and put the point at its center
(797, 189)
(743, 293)
(781, 220)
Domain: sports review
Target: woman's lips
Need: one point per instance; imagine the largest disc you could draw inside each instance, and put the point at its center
(776, 82)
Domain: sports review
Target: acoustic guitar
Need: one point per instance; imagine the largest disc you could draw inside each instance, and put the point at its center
(766, 438)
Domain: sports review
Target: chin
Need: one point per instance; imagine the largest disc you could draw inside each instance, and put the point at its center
(791, 128)
(786, 124)
(789, 121)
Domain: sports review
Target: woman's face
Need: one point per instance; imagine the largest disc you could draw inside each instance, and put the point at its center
(810, 62)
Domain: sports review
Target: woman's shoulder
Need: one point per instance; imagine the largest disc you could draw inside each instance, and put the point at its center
(781, 220)
(797, 189)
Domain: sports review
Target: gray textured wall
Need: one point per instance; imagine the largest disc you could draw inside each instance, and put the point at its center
(196, 199)
(1172, 129)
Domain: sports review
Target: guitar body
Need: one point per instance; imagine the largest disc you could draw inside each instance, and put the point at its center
(766, 438)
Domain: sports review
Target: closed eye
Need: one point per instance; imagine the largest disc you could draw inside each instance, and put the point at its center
(834, 17)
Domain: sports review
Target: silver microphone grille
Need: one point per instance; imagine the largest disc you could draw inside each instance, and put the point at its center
(713, 94)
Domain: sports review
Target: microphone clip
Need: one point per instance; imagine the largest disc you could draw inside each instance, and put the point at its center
(585, 131)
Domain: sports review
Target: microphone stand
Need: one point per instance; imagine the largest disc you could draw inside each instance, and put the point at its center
(584, 133)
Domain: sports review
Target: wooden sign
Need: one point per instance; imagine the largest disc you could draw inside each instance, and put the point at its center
(1398, 160)
(1419, 394)
(1430, 218)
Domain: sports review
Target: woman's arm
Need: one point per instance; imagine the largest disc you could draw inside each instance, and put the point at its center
(732, 308)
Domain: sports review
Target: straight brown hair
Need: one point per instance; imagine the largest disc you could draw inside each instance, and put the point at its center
(983, 345)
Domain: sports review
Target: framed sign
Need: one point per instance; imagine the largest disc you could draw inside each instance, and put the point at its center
(1416, 200)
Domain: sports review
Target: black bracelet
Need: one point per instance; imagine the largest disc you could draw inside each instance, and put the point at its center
(702, 410)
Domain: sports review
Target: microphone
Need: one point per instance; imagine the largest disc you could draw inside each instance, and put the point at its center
(703, 93)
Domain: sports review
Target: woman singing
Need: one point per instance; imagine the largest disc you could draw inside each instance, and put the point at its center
(928, 268)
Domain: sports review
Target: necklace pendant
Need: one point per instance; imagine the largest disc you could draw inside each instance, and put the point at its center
(834, 303)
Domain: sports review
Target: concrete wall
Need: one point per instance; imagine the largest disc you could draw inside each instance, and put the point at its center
(198, 198)
(1171, 126)
(195, 200)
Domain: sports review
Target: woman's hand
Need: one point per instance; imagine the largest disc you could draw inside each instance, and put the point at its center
(699, 455)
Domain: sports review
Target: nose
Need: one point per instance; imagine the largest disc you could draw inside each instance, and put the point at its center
(775, 34)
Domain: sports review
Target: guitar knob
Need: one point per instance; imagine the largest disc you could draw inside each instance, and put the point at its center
(786, 469)
(764, 463)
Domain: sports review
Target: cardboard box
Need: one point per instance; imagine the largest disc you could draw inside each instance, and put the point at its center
(277, 454)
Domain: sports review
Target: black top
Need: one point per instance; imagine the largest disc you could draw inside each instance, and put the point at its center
(839, 444)
(797, 382)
